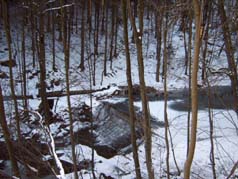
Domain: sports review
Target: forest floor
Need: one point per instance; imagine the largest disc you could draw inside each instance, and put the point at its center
(122, 166)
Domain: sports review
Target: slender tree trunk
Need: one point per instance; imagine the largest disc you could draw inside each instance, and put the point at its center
(165, 59)
(116, 33)
(229, 52)
(90, 70)
(211, 124)
(25, 102)
(82, 37)
(95, 40)
(66, 41)
(145, 107)
(106, 39)
(42, 90)
(112, 33)
(8, 36)
(89, 15)
(189, 76)
(53, 41)
(194, 93)
(130, 92)
(159, 43)
(33, 47)
(7, 137)
(206, 25)
(184, 26)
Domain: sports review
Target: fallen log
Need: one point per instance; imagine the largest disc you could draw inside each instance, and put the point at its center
(56, 94)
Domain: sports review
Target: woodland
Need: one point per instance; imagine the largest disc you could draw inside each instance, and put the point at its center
(118, 89)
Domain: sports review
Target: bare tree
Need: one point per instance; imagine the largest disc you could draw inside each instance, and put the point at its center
(229, 49)
(7, 137)
(130, 91)
(106, 39)
(12, 86)
(82, 36)
(145, 109)
(66, 42)
(194, 94)
(165, 59)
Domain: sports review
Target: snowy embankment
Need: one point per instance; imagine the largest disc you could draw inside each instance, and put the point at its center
(121, 166)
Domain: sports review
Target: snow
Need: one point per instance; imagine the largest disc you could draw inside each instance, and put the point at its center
(225, 121)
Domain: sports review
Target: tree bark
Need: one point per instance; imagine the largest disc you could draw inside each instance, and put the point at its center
(146, 119)
(66, 42)
(25, 102)
(159, 19)
(42, 91)
(106, 39)
(7, 137)
(165, 59)
(194, 92)
(130, 92)
(229, 53)
(8, 36)
(82, 37)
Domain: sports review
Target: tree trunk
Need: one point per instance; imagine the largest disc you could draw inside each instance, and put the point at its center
(206, 25)
(33, 47)
(145, 109)
(42, 90)
(165, 59)
(24, 64)
(66, 42)
(53, 41)
(229, 52)
(112, 33)
(159, 19)
(116, 33)
(7, 137)
(82, 37)
(130, 92)
(194, 93)
(8, 36)
(189, 77)
(211, 125)
(89, 15)
(106, 38)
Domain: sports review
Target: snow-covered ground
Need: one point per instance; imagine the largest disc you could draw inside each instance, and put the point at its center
(122, 166)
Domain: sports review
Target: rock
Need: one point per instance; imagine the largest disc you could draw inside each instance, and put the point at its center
(4, 175)
(3, 75)
(105, 151)
(8, 63)
(2, 164)
(103, 176)
(109, 134)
